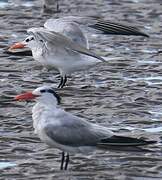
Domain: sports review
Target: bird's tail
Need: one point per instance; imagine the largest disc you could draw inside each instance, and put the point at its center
(121, 143)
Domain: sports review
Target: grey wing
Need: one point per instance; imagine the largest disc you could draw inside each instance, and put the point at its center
(104, 26)
(56, 39)
(69, 29)
(71, 136)
(75, 132)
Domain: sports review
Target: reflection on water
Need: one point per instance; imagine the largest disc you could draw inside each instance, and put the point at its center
(3, 4)
(6, 165)
(149, 51)
(148, 80)
(154, 130)
(15, 3)
(156, 113)
(149, 129)
(149, 62)
(22, 3)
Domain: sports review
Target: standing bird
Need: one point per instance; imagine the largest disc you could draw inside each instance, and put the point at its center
(69, 133)
(63, 45)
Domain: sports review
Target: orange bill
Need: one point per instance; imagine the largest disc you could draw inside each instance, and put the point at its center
(18, 45)
(25, 96)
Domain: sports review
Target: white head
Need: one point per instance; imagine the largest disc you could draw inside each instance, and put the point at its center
(43, 94)
(30, 42)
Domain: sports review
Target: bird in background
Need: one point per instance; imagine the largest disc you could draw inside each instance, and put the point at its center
(51, 6)
(69, 133)
(62, 44)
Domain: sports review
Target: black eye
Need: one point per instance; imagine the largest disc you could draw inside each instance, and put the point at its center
(41, 40)
(43, 91)
(27, 40)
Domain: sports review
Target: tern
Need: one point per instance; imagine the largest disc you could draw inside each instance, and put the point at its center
(69, 133)
(63, 45)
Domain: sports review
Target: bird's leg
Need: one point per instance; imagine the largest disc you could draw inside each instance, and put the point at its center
(66, 161)
(57, 5)
(64, 81)
(60, 84)
(62, 161)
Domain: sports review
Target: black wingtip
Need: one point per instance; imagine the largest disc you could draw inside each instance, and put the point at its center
(127, 33)
(140, 33)
(125, 141)
(108, 27)
(145, 35)
(150, 142)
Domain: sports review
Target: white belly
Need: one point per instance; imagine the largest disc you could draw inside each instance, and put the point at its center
(66, 62)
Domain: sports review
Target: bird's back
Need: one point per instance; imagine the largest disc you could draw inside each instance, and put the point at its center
(69, 29)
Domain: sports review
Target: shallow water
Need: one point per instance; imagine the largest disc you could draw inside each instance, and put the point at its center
(124, 94)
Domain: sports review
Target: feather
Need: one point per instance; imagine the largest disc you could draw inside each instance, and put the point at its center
(54, 39)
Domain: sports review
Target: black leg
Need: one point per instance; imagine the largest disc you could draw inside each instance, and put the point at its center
(57, 5)
(67, 161)
(60, 84)
(64, 81)
(62, 161)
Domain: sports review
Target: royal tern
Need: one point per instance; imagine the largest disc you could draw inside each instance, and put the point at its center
(61, 44)
(67, 132)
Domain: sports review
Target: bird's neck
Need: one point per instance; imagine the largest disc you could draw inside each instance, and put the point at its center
(41, 113)
(37, 52)
(47, 102)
